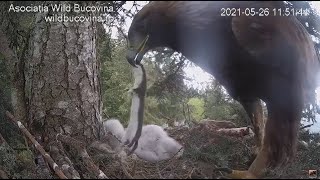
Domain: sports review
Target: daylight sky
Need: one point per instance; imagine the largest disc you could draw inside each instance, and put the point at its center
(197, 74)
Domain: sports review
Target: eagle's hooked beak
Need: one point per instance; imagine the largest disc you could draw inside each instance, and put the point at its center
(133, 56)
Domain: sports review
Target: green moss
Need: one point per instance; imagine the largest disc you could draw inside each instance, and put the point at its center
(7, 158)
(26, 157)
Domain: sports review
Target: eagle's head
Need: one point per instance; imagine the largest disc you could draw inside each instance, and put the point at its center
(147, 31)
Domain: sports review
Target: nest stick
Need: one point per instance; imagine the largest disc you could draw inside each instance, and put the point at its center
(80, 147)
(47, 157)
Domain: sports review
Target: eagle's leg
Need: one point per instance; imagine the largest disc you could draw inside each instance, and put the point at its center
(281, 131)
(253, 107)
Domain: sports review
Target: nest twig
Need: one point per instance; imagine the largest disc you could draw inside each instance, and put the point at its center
(80, 147)
(47, 157)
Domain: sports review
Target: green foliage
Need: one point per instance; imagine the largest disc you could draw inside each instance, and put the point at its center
(220, 106)
(116, 81)
(151, 109)
(197, 108)
(165, 74)
(27, 158)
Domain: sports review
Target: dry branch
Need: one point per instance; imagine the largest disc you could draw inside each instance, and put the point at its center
(42, 164)
(236, 132)
(306, 126)
(218, 124)
(47, 157)
(80, 147)
(58, 153)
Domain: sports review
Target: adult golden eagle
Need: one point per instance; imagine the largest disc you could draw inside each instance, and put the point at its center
(263, 56)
